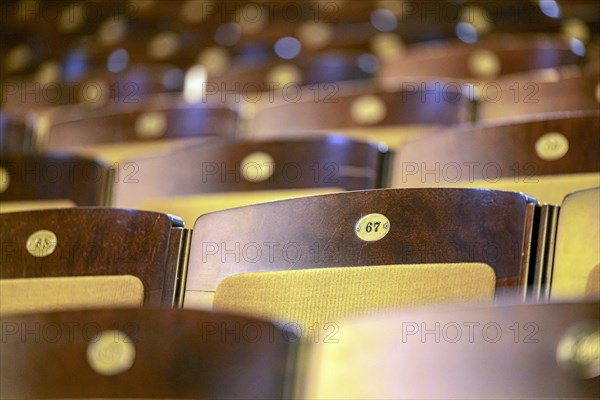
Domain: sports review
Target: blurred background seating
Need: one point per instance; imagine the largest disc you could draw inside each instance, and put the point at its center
(177, 109)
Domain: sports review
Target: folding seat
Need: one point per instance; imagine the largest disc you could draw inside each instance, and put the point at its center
(198, 179)
(575, 271)
(552, 90)
(506, 351)
(391, 114)
(121, 128)
(546, 156)
(142, 354)
(314, 259)
(33, 181)
(88, 257)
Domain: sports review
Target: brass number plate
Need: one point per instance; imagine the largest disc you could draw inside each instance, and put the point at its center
(110, 353)
(372, 227)
(41, 243)
(4, 179)
(578, 351)
(552, 146)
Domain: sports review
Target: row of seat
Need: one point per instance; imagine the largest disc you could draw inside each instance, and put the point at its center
(83, 36)
(310, 264)
(546, 158)
(482, 241)
(435, 225)
(488, 70)
(509, 351)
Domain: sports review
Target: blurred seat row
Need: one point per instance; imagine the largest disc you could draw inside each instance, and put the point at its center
(300, 199)
(310, 264)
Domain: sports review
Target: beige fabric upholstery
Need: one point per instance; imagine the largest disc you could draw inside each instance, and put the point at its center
(316, 297)
(15, 206)
(18, 296)
(577, 250)
(550, 189)
(189, 208)
(393, 136)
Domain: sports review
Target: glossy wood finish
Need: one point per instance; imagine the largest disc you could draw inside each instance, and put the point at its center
(426, 226)
(96, 241)
(453, 60)
(500, 352)
(320, 68)
(79, 125)
(504, 149)
(97, 86)
(566, 89)
(85, 182)
(334, 107)
(178, 354)
(301, 162)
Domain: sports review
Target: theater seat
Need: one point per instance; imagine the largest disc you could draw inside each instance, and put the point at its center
(198, 179)
(142, 126)
(544, 156)
(30, 181)
(319, 257)
(88, 257)
(504, 351)
(391, 114)
(147, 353)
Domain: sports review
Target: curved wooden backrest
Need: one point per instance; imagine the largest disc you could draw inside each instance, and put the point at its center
(486, 59)
(577, 253)
(423, 226)
(310, 162)
(279, 77)
(566, 89)
(520, 154)
(33, 177)
(342, 106)
(93, 88)
(155, 118)
(144, 353)
(515, 351)
(94, 242)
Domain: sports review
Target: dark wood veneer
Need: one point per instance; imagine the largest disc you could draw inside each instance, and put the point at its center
(178, 354)
(96, 241)
(55, 176)
(426, 226)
